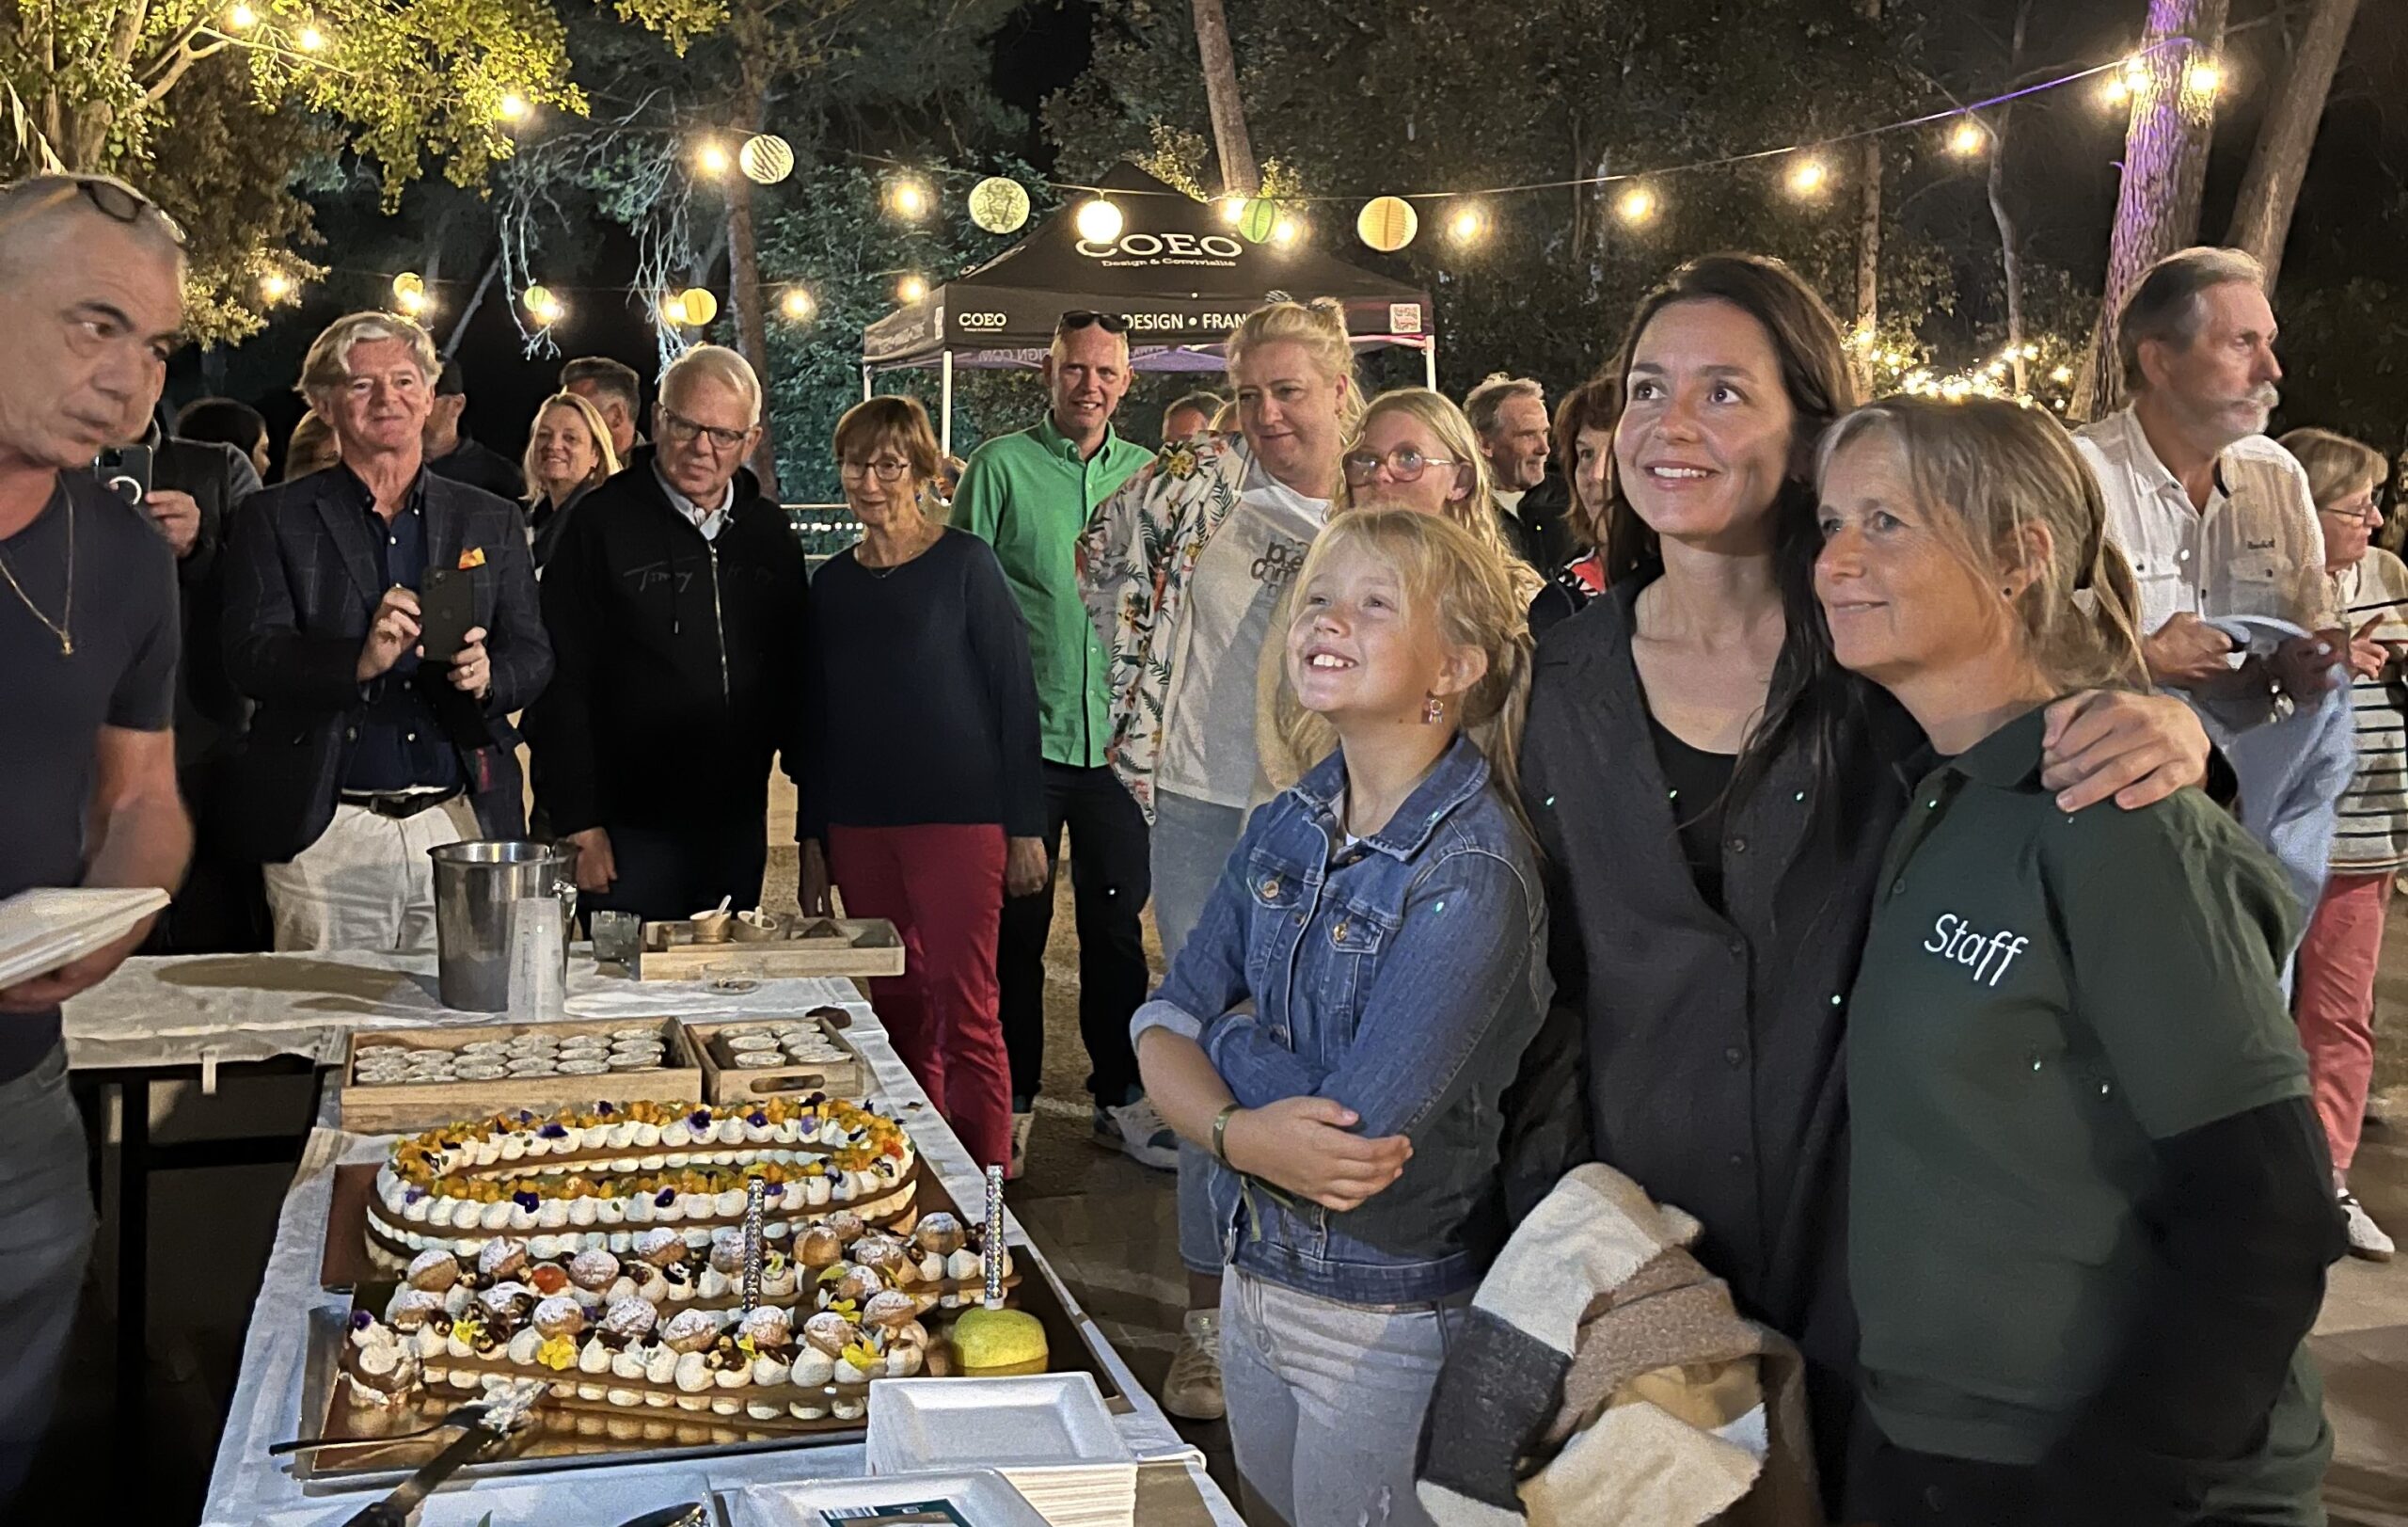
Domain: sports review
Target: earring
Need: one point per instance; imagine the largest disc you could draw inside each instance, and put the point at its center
(1433, 709)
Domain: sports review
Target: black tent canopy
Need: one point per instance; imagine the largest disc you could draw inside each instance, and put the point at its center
(1179, 277)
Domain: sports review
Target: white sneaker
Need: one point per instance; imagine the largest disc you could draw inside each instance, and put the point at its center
(1193, 1390)
(1022, 1125)
(1137, 1130)
(2366, 1239)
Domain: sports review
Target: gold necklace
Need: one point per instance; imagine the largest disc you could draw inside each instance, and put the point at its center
(66, 620)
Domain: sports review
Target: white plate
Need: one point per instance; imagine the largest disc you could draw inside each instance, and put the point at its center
(978, 1498)
(1037, 1419)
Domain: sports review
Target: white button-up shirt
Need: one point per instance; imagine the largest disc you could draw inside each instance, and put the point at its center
(2255, 549)
(705, 520)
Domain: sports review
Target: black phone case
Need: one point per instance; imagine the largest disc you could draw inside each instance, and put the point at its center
(447, 608)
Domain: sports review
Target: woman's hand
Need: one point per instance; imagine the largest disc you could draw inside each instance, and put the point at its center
(2138, 748)
(811, 886)
(1306, 1146)
(1025, 870)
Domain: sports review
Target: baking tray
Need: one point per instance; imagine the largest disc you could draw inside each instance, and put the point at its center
(568, 1435)
(400, 1109)
(850, 1077)
(810, 947)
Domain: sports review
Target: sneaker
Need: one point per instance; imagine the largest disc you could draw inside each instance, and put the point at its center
(1024, 1119)
(1136, 1129)
(1193, 1390)
(2366, 1239)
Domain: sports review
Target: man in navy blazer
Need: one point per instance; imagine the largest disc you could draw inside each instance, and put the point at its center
(360, 755)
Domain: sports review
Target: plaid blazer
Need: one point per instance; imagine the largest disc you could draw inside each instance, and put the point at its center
(301, 584)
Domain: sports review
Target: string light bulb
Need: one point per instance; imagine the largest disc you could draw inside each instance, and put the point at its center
(2061, 376)
(1098, 220)
(411, 303)
(2135, 72)
(2115, 93)
(711, 158)
(549, 311)
(1808, 177)
(1230, 209)
(911, 289)
(2204, 78)
(796, 305)
(309, 39)
(511, 108)
(1286, 231)
(907, 198)
(1636, 205)
(1466, 226)
(1967, 139)
(242, 18)
(276, 286)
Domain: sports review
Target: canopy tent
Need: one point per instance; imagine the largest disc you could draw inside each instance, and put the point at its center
(1179, 277)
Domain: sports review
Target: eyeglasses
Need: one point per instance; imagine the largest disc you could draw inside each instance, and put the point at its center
(114, 199)
(1079, 318)
(683, 430)
(886, 472)
(2348, 509)
(1404, 464)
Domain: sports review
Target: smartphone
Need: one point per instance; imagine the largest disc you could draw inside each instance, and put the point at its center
(125, 470)
(446, 607)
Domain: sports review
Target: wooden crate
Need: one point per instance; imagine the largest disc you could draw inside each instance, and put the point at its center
(412, 1106)
(860, 946)
(849, 1078)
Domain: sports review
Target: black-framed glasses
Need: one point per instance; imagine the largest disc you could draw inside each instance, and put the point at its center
(1079, 318)
(1404, 464)
(886, 472)
(113, 198)
(683, 430)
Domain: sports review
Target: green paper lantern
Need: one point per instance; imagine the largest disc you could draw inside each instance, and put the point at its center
(1260, 217)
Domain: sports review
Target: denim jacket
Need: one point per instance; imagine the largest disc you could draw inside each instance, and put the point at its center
(1402, 977)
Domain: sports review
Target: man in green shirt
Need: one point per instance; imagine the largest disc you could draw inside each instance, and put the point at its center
(1029, 495)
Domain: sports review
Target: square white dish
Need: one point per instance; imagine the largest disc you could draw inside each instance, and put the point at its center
(976, 1497)
(1037, 1419)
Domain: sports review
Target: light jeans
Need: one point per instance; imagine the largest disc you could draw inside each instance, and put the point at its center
(366, 884)
(1325, 1401)
(1189, 848)
(46, 1225)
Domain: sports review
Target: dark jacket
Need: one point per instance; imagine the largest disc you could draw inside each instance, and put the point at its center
(480, 466)
(209, 709)
(546, 521)
(681, 659)
(1541, 527)
(300, 588)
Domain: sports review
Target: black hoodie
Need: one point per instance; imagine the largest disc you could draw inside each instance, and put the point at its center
(678, 661)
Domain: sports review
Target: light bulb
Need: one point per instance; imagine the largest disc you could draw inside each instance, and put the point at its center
(1807, 178)
(1968, 138)
(551, 310)
(1286, 231)
(2135, 72)
(309, 39)
(276, 286)
(2061, 376)
(2115, 93)
(1466, 226)
(412, 303)
(711, 158)
(511, 108)
(2205, 79)
(242, 18)
(909, 199)
(1098, 221)
(911, 289)
(1231, 209)
(797, 304)
(1636, 205)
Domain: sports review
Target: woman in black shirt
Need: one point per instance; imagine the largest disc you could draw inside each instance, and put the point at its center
(925, 801)
(1711, 794)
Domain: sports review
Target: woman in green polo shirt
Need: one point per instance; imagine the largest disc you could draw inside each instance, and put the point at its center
(2089, 1222)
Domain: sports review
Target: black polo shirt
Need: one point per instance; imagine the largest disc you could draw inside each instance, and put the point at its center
(2042, 998)
(121, 674)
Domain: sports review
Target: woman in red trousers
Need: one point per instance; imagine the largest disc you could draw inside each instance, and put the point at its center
(923, 799)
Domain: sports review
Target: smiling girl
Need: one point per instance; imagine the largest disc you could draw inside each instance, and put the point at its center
(1340, 1028)
(2089, 1213)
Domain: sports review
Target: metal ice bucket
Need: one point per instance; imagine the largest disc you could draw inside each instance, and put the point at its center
(475, 885)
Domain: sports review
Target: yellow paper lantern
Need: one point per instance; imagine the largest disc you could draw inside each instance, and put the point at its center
(999, 205)
(1387, 224)
(766, 158)
(408, 284)
(701, 307)
(1260, 217)
(536, 298)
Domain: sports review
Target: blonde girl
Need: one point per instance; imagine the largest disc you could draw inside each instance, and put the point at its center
(1339, 1029)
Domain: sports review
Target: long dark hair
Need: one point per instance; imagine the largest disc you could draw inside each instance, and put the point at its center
(1811, 695)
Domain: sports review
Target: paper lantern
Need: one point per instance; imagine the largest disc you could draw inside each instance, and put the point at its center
(766, 158)
(1098, 221)
(408, 284)
(535, 298)
(999, 205)
(1260, 217)
(1387, 224)
(699, 306)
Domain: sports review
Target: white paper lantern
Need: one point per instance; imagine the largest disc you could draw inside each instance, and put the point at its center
(999, 204)
(767, 158)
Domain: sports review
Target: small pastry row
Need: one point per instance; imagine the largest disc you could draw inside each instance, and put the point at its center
(611, 1128)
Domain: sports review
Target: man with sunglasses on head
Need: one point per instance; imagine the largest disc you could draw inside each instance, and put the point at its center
(1029, 495)
(678, 604)
(90, 282)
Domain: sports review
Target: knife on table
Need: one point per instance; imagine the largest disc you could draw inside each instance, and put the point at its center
(508, 1409)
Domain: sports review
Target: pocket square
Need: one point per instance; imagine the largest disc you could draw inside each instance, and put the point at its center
(473, 557)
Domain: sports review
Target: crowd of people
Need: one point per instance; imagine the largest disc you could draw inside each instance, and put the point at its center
(1942, 855)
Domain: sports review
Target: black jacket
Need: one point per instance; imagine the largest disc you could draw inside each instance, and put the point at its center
(209, 709)
(1540, 529)
(681, 661)
(480, 466)
(300, 586)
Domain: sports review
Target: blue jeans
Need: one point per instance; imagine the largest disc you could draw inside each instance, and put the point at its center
(46, 1226)
(1325, 1401)
(1191, 842)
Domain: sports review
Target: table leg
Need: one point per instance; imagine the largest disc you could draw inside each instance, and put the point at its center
(133, 1249)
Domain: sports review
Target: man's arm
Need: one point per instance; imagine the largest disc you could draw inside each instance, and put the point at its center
(978, 497)
(141, 837)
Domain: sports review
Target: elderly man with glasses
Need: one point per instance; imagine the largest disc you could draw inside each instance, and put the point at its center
(678, 609)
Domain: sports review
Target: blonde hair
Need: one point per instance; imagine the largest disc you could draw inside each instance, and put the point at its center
(606, 461)
(1319, 327)
(312, 447)
(327, 366)
(1989, 469)
(720, 364)
(2337, 465)
(1449, 577)
(1435, 412)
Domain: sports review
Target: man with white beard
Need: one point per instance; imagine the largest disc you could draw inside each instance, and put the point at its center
(2215, 518)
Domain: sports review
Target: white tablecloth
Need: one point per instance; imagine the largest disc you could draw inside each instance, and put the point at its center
(237, 1008)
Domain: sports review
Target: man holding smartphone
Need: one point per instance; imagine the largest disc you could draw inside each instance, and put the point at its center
(371, 742)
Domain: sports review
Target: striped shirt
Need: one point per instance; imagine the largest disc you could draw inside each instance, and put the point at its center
(2372, 834)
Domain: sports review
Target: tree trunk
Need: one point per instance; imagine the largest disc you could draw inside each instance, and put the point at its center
(469, 308)
(744, 292)
(2010, 248)
(2262, 217)
(2165, 165)
(1239, 176)
(1868, 238)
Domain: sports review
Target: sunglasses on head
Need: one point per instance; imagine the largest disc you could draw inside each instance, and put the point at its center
(116, 200)
(1081, 318)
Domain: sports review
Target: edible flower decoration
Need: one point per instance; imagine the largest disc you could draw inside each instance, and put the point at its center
(557, 1352)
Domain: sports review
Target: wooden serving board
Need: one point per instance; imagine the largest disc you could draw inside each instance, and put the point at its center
(857, 947)
(850, 1078)
(406, 1106)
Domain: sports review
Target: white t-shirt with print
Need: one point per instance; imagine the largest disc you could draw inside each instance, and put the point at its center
(1208, 733)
